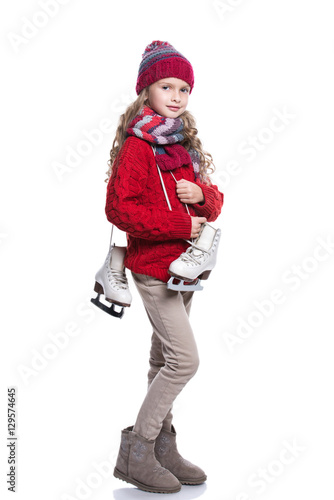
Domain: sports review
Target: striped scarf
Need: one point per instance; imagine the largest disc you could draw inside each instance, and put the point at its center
(166, 133)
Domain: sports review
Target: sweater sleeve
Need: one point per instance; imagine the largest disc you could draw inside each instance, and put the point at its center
(213, 202)
(126, 208)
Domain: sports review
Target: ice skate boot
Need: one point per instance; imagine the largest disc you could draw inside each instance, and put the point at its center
(111, 281)
(196, 262)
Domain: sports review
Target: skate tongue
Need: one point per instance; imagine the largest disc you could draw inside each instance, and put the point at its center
(205, 240)
(117, 258)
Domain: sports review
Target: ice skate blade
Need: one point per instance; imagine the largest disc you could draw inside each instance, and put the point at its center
(109, 310)
(193, 286)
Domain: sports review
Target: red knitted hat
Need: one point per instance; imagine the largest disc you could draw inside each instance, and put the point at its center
(161, 60)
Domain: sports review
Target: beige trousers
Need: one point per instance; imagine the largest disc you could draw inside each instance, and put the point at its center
(173, 356)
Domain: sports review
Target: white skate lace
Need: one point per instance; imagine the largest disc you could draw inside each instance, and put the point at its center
(187, 256)
(118, 277)
(191, 259)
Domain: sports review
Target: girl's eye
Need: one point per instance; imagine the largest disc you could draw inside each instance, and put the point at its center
(184, 90)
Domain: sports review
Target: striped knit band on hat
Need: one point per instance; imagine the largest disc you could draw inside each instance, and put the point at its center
(161, 60)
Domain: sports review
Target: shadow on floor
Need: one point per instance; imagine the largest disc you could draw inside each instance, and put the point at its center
(133, 493)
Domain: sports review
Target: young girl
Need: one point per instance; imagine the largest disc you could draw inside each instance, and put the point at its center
(148, 456)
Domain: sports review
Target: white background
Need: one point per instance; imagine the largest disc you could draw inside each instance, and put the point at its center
(267, 387)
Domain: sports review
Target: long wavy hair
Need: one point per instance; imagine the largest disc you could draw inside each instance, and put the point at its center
(206, 165)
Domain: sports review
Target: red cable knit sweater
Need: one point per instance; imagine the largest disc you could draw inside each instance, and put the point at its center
(136, 204)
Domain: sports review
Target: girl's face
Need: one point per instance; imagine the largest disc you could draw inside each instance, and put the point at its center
(169, 97)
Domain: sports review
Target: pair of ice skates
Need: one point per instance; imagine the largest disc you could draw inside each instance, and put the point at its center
(186, 271)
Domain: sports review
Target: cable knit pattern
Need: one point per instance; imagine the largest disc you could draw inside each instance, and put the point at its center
(136, 204)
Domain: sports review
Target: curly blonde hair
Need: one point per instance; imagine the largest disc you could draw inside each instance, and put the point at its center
(190, 140)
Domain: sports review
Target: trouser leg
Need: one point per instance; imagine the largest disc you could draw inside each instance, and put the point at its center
(168, 313)
(157, 360)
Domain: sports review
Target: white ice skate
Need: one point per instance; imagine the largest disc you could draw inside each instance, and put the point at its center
(111, 281)
(196, 262)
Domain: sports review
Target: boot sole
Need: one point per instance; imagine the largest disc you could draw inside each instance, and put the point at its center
(145, 487)
(193, 482)
(203, 276)
(99, 289)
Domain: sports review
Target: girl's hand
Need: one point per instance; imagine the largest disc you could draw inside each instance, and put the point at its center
(196, 223)
(189, 192)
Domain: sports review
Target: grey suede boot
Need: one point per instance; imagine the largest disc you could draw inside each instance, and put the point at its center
(169, 457)
(137, 464)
